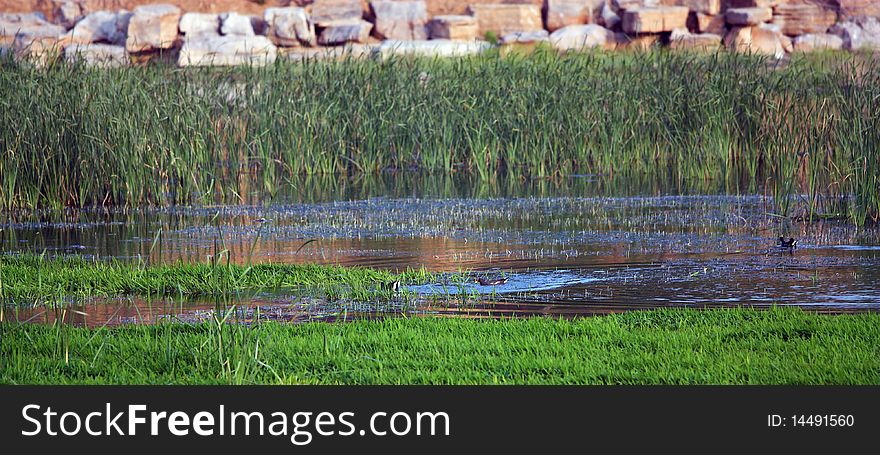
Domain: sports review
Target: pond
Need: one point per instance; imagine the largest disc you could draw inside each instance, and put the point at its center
(576, 246)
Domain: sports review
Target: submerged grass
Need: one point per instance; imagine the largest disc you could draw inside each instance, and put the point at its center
(682, 346)
(37, 279)
(808, 131)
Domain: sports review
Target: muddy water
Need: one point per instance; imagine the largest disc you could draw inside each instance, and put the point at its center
(580, 246)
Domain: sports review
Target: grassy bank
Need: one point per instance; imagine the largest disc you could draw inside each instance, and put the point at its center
(73, 136)
(725, 346)
(35, 279)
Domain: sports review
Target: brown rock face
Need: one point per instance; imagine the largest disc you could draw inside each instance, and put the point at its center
(795, 19)
(851, 8)
(453, 27)
(697, 6)
(400, 20)
(748, 16)
(502, 19)
(654, 20)
(560, 13)
(709, 23)
(152, 27)
(327, 11)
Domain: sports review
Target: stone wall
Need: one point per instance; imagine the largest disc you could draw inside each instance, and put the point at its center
(77, 32)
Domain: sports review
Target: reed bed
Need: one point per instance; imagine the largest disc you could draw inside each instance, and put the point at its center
(807, 132)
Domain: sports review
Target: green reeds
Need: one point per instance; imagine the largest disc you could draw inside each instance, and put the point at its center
(808, 132)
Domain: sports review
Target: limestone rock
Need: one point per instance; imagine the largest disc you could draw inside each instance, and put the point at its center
(344, 32)
(748, 16)
(799, 19)
(683, 39)
(347, 51)
(400, 20)
(654, 19)
(289, 26)
(206, 50)
(236, 24)
(697, 6)
(760, 39)
(637, 42)
(577, 37)
(561, 13)
(462, 28)
(525, 37)
(335, 11)
(502, 19)
(858, 33)
(28, 24)
(712, 24)
(68, 13)
(192, 24)
(817, 41)
(102, 27)
(152, 27)
(609, 17)
(432, 48)
(852, 8)
(100, 55)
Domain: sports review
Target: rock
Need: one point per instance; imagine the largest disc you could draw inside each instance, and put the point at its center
(344, 32)
(347, 51)
(289, 26)
(852, 8)
(39, 50)
(561, 13)
(192, 24)
(152, 27)
(760, 39)
(713, 24)
(432, 48)
(748, 16)
(577, 37)
(684, 40)
(463, 28)
(102, 27)
(637, 42)
(817, 42)
(335, 11)
(502, 19)
(236, 24)
(858, 33)
(697, 6)
(525, 37)
(609, 17)
(799, 19)
(68, 13)
(400, 20)
(32, 25)
(206, 50)
(100, 55)
(654, 19)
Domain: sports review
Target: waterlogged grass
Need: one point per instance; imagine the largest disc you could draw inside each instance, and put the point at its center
(724, 346)
(808, 131)
(36, 279)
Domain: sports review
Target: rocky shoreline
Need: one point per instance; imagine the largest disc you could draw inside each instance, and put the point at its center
(339, 28)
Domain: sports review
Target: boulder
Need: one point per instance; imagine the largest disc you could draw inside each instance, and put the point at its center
(348, 51)
(712, 24)
(68, 13)
(192, 24)
(236, 24)
(654, 19)
(335, 11)
(853, 8)
(102, 27)
(858, 33)
(400, 20)
(207, 50)
(432, 48)
(561, 13)
(799, 19)
(817, 42)
(344, 32)
(462, 28)
(32, 25)
(748, 16)
(289, 26)
(760, 39)
(608, 16)
(578, 37)
(100, 55)
(697, 6)
(636, 42)
(502, 19)
(684, 40)
(152, 27)
(525, 37)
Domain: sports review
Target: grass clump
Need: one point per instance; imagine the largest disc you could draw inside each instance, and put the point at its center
(681, 346)
(808, 131)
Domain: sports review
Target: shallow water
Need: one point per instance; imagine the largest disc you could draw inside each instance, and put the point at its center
(581, 246)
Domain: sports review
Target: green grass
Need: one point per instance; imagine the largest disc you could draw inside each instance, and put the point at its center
(74, 136)
(722, 346)
(35, 279)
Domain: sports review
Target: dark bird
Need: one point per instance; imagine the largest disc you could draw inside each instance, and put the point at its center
(791, 243)
(490, 281)
(393, 287)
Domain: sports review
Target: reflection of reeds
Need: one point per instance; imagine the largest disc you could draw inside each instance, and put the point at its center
(74, 136)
